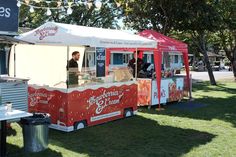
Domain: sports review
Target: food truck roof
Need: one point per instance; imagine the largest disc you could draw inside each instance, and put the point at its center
(52, 33)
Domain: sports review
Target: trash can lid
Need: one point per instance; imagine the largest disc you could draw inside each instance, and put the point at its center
(37, 119)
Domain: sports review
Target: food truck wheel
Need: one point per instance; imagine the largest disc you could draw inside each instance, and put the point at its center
(128, 112)
(80, 125)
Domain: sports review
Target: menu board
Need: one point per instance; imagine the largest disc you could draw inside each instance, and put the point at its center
(100, 62)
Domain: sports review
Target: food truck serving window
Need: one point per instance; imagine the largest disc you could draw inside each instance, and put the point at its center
(93, 70)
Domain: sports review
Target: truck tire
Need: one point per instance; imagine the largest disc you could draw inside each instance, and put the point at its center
(128, 112)
(80, 125)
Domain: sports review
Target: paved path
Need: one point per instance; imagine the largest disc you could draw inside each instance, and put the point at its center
(219, 75)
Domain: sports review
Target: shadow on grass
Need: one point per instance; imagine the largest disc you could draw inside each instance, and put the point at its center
(11, 132)
(219, 108)
(136, 136)
(15, 151)
(211, 107)
(205, 87)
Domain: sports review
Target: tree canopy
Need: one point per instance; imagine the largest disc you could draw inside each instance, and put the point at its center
(86, 14)
(194, 18)
(226, 35)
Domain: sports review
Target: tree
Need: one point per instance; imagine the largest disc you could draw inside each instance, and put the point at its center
(201, 20)
(83, 14)
(197, 18)
(106, 17)
(151, 14)
(227, 34)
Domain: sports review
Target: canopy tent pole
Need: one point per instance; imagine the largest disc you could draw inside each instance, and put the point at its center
(136, 61)
(14, 60)
(85, 61)
(108, 56)
(67, 82)
(158, 62)
(185, 57)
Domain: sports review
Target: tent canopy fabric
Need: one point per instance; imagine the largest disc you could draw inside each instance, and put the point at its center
(165, 44)
(10, 40)
(52, 33)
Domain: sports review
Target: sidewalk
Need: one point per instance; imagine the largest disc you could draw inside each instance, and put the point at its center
(203, 76)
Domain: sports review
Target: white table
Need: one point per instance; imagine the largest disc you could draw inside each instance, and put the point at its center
(15, 114)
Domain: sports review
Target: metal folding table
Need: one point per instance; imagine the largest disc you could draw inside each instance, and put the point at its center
(15, 114)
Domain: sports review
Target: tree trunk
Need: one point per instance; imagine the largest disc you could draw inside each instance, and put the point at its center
(209, 69)
(234, 68)
(234, 61)
(231, 55)
(202, 45)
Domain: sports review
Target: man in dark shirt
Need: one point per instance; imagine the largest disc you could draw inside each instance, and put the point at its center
(73, 69)
(132, 63)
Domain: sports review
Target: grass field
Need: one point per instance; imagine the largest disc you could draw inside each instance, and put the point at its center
(208, 129)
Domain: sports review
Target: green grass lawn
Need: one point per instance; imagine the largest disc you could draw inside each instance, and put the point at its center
(203, 131)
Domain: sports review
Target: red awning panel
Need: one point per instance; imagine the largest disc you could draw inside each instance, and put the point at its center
(164, 43)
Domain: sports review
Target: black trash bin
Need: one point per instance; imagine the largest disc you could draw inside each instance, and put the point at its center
(35, 132)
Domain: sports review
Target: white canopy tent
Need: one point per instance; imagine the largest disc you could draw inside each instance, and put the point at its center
(52, 33)
(45, 62)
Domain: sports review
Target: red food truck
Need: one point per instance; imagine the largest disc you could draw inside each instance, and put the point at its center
(102, 93)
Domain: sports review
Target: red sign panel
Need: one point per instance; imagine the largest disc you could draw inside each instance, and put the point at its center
(144, 92)
(93, 106)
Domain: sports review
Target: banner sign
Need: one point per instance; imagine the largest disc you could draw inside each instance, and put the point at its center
(100, 62)
(9, 13)
(144, 92)
(164, 91)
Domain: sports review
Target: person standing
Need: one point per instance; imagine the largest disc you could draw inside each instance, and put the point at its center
(73, 69)
(132, 64)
